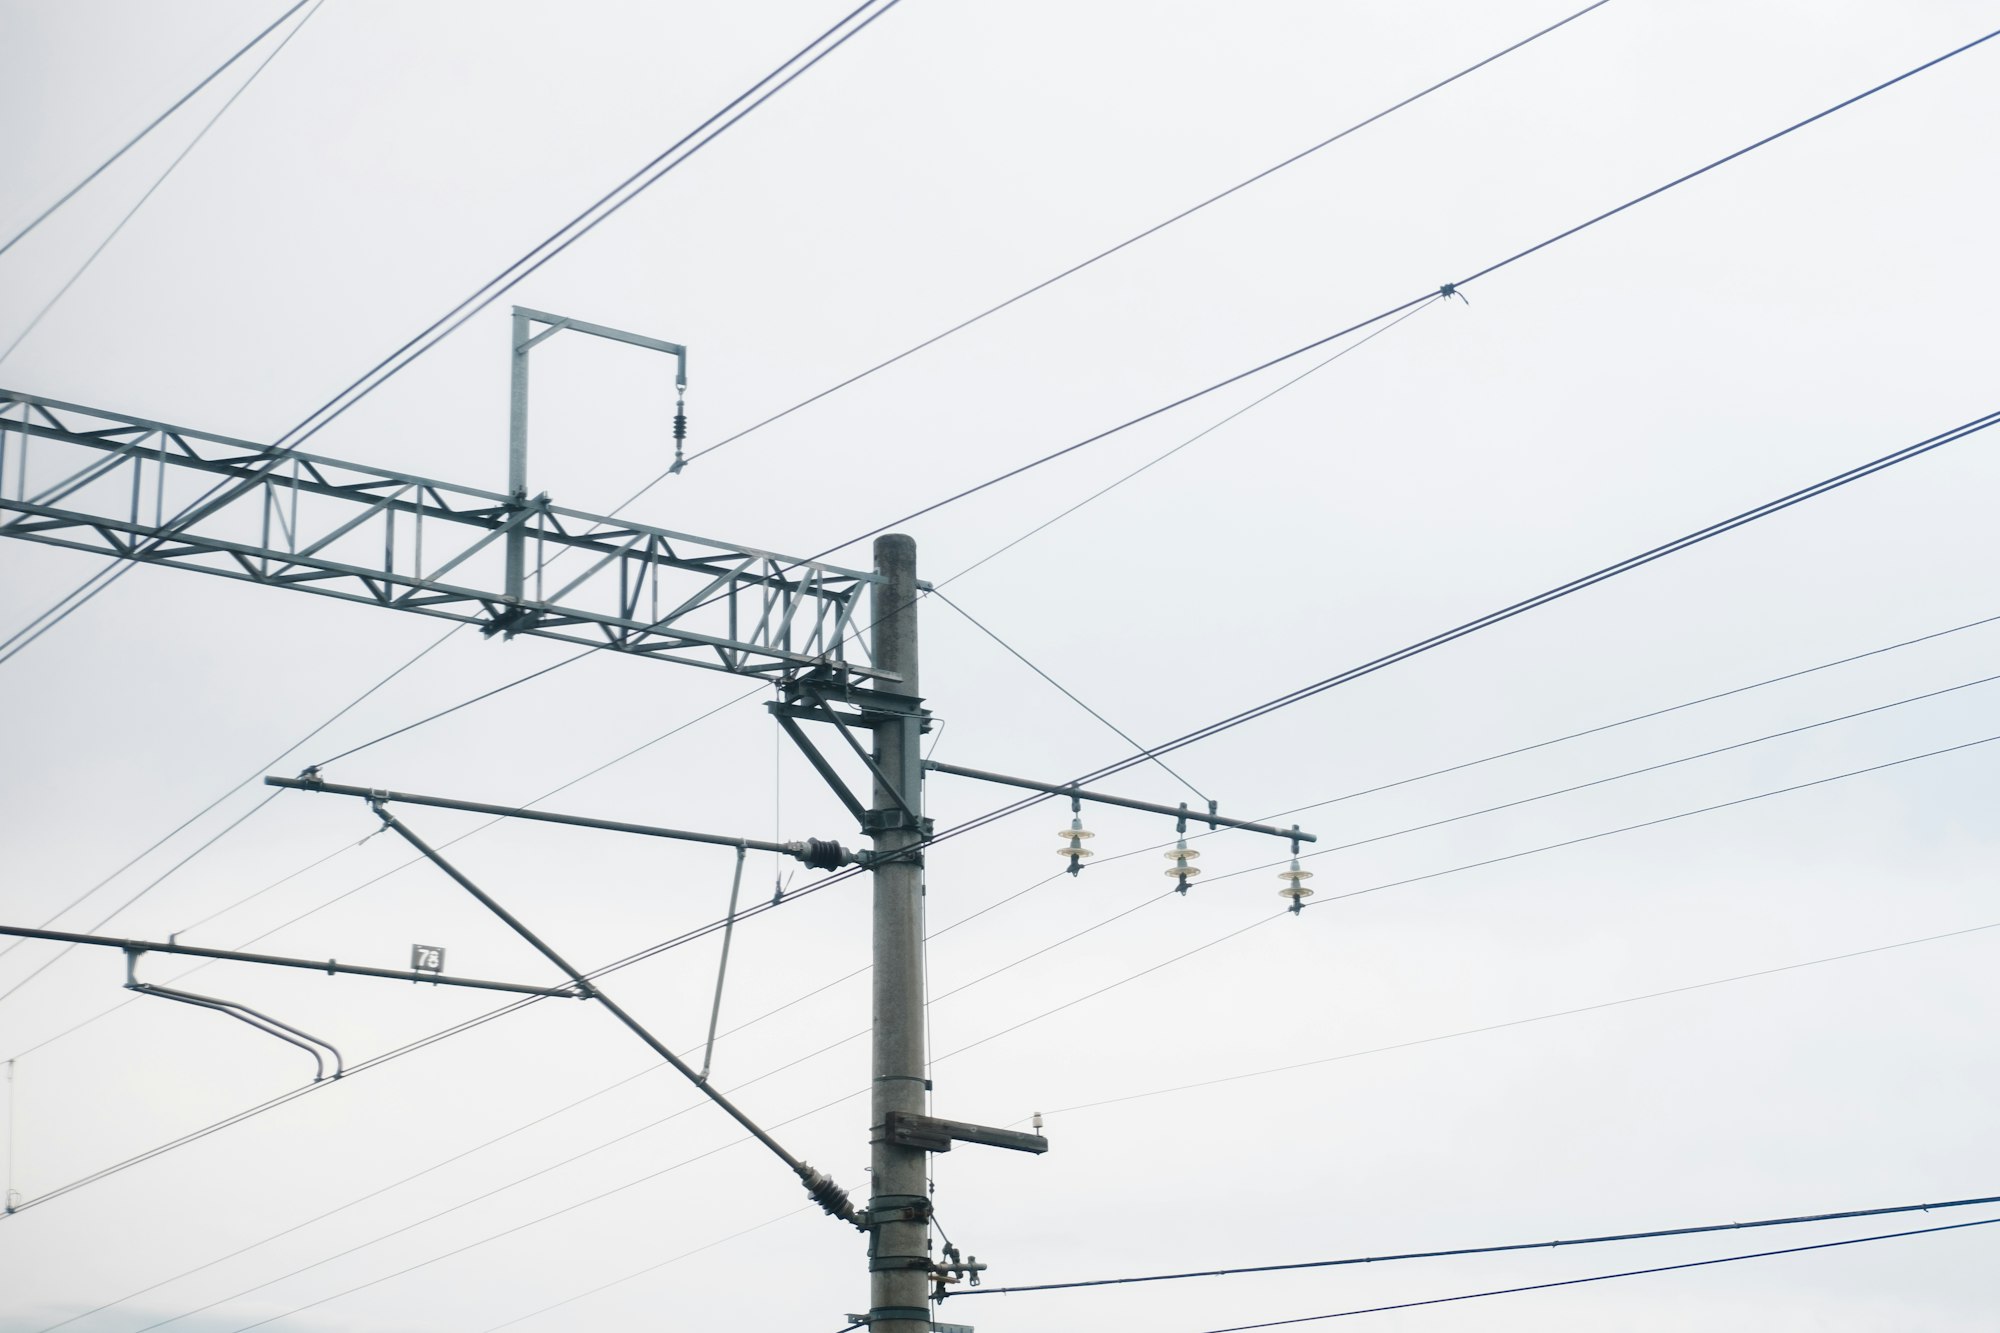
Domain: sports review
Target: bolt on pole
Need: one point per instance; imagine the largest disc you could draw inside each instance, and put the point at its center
(899, 1250)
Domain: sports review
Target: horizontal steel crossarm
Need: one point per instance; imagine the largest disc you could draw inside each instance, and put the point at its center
(642, 590)
(329, 966)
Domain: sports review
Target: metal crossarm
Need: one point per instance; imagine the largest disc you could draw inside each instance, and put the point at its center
(91, 480)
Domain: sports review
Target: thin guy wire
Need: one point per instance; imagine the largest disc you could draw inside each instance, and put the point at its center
(180, 157)
(99, 924)
(536, 1221)
(1604, 1277)
(1134, 239)
(1065, 691)
(1199, 435)
(254, 774)
(1523, 1022)
(1663, 1233)
(150, 127)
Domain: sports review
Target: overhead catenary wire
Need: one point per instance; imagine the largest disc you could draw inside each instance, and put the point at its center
(1450, 288)
(152, 125)
(1604, 1277)
(1064, 690)
(1135, 238)
(1485, 1028)
(158, 181)
(1067, 1110)
(700, 932)
(1388, 314)
(1521, 607)
(1658, 1233)
(245, 781)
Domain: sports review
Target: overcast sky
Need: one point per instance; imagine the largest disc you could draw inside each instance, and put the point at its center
(1818, 303)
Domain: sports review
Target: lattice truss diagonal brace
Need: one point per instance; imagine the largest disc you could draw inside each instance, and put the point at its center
(121, 486)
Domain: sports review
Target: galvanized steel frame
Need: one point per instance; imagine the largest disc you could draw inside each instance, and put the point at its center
(646, 591)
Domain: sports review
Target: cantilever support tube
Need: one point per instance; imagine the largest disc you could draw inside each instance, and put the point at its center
(722, 968)
(823, 1191)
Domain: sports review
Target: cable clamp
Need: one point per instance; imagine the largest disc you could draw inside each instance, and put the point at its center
(1449, 290)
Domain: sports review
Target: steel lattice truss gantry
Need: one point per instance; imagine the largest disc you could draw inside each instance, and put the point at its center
(91, 480)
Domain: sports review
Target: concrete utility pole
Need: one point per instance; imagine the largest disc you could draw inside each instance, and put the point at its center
(899, 1250)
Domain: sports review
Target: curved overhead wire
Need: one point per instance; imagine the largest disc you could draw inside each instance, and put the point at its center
(1604, 1277)
(1514, 1247)
(1134, 239)
(151, 125)
(160, 180)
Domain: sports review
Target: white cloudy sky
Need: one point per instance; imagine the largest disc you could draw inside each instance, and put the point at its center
(1817, 304)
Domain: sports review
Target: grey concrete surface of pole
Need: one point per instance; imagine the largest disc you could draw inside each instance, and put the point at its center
(899, 1245)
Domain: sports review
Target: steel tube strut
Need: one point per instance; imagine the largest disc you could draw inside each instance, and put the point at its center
(800, 850)
(326, 965)
(824, 1192)
(1176, 811)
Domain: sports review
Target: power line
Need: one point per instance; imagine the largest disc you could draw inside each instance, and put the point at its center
(249, 778)
(479, 1020)
(1199, 435)
(937, 587)
(180, 157)
(151, 126)
(1462, 1251)
(1604, 1277)
(1491, 618)
(1628, 773)
(790, 895)
(1392, 312)
(1532, 1018)
(1452, 288)
(1134, 239)
(699, 932)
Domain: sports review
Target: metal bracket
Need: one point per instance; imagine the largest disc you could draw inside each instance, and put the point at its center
(916, 1210)
(827, 772)
(888, 821)
(907, 1129)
